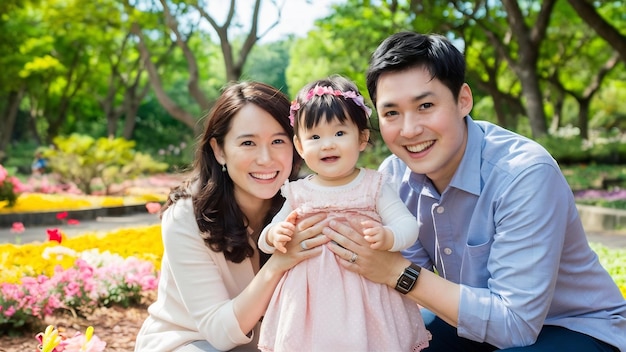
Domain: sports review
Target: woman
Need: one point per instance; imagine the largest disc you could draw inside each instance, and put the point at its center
(214, 285)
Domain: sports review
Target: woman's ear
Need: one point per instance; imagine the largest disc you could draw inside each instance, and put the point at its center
(364, 139)
(297, 144)
(218, 152)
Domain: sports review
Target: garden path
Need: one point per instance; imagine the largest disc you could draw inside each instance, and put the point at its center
(98, 225)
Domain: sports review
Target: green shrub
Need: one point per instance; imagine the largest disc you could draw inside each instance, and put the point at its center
(80, 159)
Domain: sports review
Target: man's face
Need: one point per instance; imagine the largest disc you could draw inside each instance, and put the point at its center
(422, 123)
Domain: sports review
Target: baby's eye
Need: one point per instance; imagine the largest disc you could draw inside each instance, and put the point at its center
(315, 136)
(340, 133)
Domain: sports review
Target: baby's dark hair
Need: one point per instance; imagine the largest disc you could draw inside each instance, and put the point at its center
(330, 98)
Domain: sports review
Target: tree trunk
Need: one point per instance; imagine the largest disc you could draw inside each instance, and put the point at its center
(168, 104)
(583, 116)
(9, 116)
(529, 41)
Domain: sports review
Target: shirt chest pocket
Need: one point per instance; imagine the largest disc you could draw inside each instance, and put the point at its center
(474, 271)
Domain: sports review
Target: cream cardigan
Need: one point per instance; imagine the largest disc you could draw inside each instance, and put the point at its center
(195, 292)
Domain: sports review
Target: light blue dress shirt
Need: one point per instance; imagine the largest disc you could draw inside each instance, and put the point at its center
(507, 230)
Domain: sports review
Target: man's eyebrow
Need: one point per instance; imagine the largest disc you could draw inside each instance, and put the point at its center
(415, 99)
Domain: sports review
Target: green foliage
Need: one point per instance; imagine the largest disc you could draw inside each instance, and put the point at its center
(566, 150)
(374, 155)
(614, 261)
(80, 159)
(267, 63)
(9, 187)
(592, 176)
(567, 147)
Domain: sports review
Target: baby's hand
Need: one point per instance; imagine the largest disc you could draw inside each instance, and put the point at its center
(280, 234)
(377, 235)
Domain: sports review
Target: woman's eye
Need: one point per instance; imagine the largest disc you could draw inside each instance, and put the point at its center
(247, 143)
(278, 141)
(390, 113)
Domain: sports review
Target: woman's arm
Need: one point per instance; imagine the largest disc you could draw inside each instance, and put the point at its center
(430, 291)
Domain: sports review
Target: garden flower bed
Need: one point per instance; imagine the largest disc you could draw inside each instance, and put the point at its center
(88, 280)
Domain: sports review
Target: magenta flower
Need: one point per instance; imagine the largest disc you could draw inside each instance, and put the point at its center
(54, 235)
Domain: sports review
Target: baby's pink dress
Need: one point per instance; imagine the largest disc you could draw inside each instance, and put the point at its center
(320, 306)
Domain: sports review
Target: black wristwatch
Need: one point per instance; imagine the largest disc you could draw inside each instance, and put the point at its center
(407, 280)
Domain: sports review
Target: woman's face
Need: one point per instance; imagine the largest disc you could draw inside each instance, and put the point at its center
(258, 154)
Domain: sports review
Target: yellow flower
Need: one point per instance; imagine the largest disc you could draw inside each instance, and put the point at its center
(49, 339)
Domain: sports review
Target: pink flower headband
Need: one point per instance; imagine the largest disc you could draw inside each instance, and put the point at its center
(321, 90)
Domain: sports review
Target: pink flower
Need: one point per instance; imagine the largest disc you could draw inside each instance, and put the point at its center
(153, 207)
(18, 187)
(17, 227)
(83, 343)
(9, 312)
(62, 215)
(3, 173)
(54, 235)
(73, 222)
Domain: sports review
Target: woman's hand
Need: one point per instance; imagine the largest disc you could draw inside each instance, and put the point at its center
(305, 243)
(349, 245)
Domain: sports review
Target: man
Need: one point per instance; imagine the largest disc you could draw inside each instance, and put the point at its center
(498, 221)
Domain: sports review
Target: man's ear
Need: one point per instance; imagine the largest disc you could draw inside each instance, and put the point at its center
(465, 100)
(218, 152)
(297, 144)
(363, 139)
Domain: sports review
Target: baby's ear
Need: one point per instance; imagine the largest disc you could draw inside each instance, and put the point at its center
(364, 139)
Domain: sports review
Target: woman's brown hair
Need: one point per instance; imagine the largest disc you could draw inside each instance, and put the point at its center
(221, 221)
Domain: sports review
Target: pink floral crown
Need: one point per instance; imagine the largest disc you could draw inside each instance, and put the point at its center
(321, 90)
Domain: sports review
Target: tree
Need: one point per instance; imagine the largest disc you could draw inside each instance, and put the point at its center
(588, 12)
(178, 24)
(569, 47)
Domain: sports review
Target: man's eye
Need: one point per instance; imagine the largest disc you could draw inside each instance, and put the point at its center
(426, 106)
(278, 141)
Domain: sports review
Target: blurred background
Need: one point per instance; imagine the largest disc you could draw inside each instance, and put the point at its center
(145, 72)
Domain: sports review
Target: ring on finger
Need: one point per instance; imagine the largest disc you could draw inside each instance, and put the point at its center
(303, 245)
(353, 258)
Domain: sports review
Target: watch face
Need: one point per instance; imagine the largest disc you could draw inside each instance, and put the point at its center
(406, 281)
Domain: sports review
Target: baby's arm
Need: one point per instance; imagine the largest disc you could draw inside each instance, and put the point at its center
(397, 218)
(280, 233)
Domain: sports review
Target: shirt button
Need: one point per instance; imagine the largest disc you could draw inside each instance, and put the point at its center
(447, 251)
(440, 210)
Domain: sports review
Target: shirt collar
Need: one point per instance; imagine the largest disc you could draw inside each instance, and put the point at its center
(467, 176)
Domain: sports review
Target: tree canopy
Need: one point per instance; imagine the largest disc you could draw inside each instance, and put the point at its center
(149, 70)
